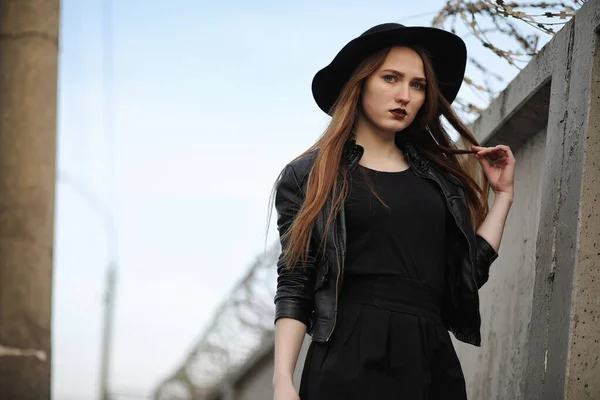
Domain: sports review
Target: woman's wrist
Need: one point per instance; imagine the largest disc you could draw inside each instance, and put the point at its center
(282, 379)
(504, 196)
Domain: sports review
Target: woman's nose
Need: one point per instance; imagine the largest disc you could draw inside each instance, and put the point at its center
(403, 94)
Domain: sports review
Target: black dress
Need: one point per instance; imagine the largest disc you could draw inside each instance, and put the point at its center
(389, 341)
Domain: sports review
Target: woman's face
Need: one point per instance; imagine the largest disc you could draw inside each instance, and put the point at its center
(398, 84)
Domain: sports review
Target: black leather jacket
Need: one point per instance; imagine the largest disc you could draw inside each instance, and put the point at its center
(310, 292)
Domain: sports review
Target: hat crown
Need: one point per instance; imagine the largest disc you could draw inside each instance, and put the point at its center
(382, 28)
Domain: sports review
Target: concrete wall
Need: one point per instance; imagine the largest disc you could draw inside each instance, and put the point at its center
(257, 384)
(549, 347)
(495, 370)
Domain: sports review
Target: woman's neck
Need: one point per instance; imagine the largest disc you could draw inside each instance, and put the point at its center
(379, 146)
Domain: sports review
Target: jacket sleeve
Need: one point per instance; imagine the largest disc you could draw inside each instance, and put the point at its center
(485, 257)
(484, 253)
(294, 294)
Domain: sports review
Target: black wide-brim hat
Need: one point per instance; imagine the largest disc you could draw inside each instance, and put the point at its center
(448, 56)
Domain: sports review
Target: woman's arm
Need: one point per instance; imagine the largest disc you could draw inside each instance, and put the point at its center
(294, 294)
(498, 164)
(492, 227)
(489, 236)
(289, 334)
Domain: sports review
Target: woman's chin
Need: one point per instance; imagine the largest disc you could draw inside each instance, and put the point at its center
(395, 126)
(389, 125)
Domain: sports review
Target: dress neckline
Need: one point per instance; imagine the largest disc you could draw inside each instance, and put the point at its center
(383, 172)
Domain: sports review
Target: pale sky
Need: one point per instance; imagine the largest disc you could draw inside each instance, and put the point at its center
(211, 100)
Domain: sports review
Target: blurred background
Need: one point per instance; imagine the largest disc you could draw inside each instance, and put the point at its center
(174, 121)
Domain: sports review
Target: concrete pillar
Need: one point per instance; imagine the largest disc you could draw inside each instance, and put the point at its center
(227, 391)
(583, 368)
(28, 97)
(564, 343)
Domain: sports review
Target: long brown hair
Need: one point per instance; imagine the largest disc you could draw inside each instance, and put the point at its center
(322, 179)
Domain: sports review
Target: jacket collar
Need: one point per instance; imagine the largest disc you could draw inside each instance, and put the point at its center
(353, 152)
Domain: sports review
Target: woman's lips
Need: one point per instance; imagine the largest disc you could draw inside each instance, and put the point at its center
(398, 114)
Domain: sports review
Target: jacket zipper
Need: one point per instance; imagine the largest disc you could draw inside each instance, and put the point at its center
(340, 274)
(337, 285)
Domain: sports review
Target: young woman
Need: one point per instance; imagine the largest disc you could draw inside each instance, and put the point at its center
(385, 229)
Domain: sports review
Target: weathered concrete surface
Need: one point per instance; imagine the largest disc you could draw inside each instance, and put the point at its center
(565, 287)
(495, 370)
(555, 295)
(28, 89)
(584, 345)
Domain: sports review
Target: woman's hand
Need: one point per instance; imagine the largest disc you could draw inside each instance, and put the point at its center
(285, 391)
(498, 164)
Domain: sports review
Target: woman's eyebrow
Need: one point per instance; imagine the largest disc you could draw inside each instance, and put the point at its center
(420, 79)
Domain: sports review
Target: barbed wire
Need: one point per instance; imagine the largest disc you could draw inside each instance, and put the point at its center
(237, 330)
(488, 20)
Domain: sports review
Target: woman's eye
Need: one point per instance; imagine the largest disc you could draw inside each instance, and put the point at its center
(392, 78)
(418, 85)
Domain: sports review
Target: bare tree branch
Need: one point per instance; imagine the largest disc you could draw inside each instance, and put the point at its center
(488, 21)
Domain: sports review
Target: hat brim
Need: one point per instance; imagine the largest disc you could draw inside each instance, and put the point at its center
(448, 56)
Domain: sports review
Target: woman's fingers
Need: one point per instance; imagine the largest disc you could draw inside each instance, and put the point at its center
(499, 154)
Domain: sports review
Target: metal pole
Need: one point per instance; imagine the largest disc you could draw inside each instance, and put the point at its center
(109, 307)
(111, 273)
(108, 111)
